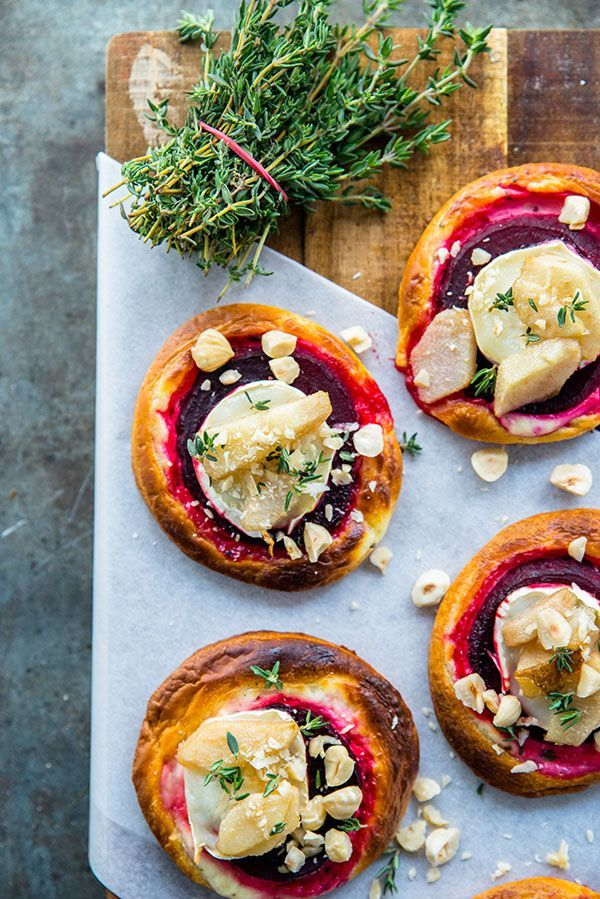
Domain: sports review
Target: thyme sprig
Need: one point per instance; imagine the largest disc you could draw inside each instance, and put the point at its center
(561, 705)
(304, 476)
(409, 444)
(203, 446)
(350, 825)
(530, 337)
(570, 308)
(270, 677)
(259, 405)
(484, 381)
(230, 778)
(316, 107)
(562, 657)
(389, 871)
(312, 724)
(503, 301)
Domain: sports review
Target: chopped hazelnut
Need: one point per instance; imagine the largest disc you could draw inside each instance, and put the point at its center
(430, 588)
(285, 368)
(412, 837)
(425, 788)
(381, 558)
(231, 376)
(211, 350)
(342, 804)
(577, 548)
(357, 338)
(560, 859)
(490, 464)
(368, 440)
(339, 767)
(277, 344)
(338, 846)
(441, 845)
(294, 859)
(575, 212)
(316, 540)
(470, 690)
(509, 711)
(575, 479)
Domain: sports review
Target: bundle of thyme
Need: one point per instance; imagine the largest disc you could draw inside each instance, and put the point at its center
(290, 114)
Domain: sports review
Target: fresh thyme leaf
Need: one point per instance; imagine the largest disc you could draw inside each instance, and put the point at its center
(318, 779)
(503, 301)
(272, 785)
(530, 337)
(232, 743)
(484, 381)
(203, 447)
(350, 824)
(291, 113)
(277, 828)
(194, 28)
(509, 731)
(230, 778)
(562, 658)
(312, 724)
(345, 456)
(570, 308)
(479, 790)
(561, 705)
(532, 304)
(389, 871)
(271, 678)
(409, 444)
(259, 405)
(243, 796)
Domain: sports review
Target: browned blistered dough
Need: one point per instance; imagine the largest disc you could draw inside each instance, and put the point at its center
(469, 419)
(467, 734)
(538, 888)
(219, 677)
(351, 543)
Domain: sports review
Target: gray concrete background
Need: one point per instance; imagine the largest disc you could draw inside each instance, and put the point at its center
(51, 102)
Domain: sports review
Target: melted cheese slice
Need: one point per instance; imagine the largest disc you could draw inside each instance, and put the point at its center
(261, 498)
(269, 742)
(508, 656)
(499, 333)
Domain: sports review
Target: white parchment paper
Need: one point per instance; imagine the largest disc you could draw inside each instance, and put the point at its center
(153, 606)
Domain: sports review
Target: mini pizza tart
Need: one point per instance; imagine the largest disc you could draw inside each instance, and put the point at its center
(265, 449)
(538, 888)
(275, 765)
(499, 307)
(514, 663)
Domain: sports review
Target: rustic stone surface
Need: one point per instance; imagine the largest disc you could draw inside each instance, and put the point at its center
(51, 97)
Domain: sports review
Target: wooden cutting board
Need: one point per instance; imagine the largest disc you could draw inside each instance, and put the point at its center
(538, 100)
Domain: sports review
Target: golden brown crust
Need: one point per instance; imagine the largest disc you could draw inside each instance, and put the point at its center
(469, 419)
(218, 678)
(468, 734)
(353, 540)
(538, 888)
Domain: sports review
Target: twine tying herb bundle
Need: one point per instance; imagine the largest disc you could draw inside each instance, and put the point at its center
(289, 115)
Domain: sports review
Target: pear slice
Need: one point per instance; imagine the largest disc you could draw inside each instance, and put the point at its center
(254, 735)
(247, 827)
(537, 675)
(535, 373)
(547, 283)
(249, 439)
(578, 732)
(446, 356)
(520, 629)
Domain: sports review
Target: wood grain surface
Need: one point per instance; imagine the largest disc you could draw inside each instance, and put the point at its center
(538, 100)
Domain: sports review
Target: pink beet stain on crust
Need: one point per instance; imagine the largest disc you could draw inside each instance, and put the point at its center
(542, 211)
(328, 875)
(568, 761)
(369, 406)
